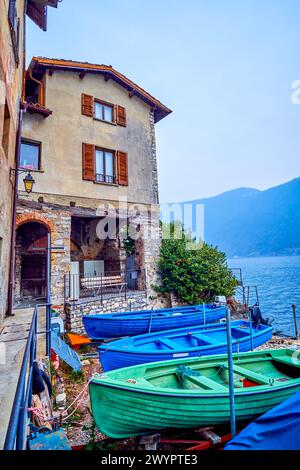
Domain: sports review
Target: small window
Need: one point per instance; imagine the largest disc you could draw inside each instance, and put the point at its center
(103, 111)
(105, 166)
(6, 130)
(30, 155)
(14, 24)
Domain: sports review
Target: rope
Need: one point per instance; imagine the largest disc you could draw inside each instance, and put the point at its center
(37, 412)
(78, 398)
(150, 324)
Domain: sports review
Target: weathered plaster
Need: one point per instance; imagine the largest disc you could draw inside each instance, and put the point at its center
(63, 133)
(10, 92)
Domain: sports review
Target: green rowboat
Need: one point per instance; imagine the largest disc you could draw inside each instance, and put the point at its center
(187, 393)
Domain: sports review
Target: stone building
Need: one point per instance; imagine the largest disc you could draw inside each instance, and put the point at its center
(89, 141)
(12, 58)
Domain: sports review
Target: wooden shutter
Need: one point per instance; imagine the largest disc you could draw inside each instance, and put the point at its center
(121, 116)
(122, 159)
(87, 105)
(88, 162)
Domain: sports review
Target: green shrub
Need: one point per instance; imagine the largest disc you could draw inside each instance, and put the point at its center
(194, 275)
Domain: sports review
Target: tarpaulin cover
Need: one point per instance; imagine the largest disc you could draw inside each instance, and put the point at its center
(278, 429)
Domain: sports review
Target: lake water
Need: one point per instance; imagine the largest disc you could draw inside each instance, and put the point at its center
(278, 282)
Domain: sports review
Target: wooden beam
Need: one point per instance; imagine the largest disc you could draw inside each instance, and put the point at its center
(82, 74)
(131, 93)
(51, 71)
(107, 77)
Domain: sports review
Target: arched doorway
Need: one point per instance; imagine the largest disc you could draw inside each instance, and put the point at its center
(31, 262)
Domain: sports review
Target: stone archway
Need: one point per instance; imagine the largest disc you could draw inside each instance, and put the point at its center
(31, 261)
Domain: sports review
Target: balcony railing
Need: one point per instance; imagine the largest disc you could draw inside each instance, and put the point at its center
(112, 283)
(100, 178)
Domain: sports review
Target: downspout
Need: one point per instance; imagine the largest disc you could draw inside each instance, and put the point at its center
(41, 88)
(16, 180)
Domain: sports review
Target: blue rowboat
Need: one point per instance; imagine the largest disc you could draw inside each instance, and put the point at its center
(183, 342)
(116, 325)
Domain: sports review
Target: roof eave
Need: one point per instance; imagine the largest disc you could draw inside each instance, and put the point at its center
(160, 110)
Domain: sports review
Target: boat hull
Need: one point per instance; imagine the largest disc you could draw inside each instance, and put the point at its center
(103, 326)
(116, 354)
(124, 410)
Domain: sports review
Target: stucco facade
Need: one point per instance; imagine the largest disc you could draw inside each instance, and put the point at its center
(11, 76)
(62, 130)
(63, 133)
(12, 47)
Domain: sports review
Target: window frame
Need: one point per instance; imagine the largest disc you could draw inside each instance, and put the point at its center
(14, 26)
(104, 103)
(114, 176)
(34, 143)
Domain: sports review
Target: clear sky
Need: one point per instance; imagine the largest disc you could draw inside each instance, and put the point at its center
(225, 68)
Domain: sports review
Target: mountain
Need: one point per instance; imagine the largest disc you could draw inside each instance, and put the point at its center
(249, 222)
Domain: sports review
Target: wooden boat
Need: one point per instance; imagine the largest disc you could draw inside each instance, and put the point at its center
(191, 392)
(184, 342)
(115, 325)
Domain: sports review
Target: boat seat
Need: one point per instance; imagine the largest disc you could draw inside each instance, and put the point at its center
(286, 360)
(206, 383)
(249, 374)
(169, 343)
(143, 381)
(206, 338)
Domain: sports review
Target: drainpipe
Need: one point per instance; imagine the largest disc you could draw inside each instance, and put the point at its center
(16, 180)
(41, 88)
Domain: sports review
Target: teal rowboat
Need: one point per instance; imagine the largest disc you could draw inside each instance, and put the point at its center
(191, 392)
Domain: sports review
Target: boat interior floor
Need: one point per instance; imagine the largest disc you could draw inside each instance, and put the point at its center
(215, 377)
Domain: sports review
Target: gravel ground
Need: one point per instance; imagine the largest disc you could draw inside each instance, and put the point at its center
(79, 426)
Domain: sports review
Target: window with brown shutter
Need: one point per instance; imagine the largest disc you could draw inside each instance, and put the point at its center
(121, 115)
(87, 105)
(88, 162)
(122, 159)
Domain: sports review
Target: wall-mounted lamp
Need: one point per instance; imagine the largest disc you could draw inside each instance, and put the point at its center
(28, 180)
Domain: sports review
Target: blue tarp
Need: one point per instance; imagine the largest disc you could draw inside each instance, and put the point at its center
(65, 352)
(278, 429)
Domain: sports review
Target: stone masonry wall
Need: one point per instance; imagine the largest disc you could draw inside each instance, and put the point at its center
(155, 195)
(58, 222)
(73, 313)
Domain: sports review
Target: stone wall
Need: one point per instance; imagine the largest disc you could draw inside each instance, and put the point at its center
(153, 159)
(58, 223)
(74, 312)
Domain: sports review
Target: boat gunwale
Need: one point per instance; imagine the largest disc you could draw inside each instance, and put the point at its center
(190, 393)
(103, 348)
(117, 316)
(268, 355)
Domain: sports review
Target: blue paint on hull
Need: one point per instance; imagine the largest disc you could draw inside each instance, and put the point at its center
(124, 353)
(116, 325)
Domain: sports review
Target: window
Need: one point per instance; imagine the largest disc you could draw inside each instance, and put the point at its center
(103, 111)
(6, 129)
(30, 155)
(105, 166)
(14, 24)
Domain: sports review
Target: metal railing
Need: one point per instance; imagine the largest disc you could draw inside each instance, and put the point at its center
(114, 283)
(17, 428)
(245, 294)
(101, 178)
